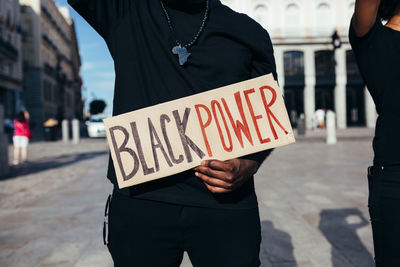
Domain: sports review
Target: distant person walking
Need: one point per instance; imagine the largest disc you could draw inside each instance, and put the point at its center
(320, 117)
(377, 50)
(21, 137)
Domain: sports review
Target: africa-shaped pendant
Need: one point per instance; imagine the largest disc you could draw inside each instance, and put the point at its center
(182, 53)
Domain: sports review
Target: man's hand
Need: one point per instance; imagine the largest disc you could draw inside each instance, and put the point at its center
(225, 176)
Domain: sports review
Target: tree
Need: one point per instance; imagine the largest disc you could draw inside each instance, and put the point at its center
(97, 106)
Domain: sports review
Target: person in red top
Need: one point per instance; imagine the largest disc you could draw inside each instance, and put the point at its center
(21, 137)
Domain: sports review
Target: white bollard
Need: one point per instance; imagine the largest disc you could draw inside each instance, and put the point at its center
(75, 131)
(331, 128)
(65, 131)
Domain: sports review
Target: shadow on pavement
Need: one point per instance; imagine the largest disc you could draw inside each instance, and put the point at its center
(319, 139)
(50, 163)
(339, 227)
(276, 247)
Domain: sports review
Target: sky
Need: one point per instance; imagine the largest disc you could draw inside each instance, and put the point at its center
(97, 68)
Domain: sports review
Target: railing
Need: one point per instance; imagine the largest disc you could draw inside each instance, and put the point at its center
(8, 49)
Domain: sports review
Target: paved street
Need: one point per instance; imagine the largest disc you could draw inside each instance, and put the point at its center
(312, 204)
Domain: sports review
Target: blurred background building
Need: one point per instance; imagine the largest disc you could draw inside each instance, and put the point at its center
(311, 72)
(11, 74)
(51, 63)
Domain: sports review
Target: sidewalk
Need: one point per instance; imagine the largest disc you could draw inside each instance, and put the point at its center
(312, 200)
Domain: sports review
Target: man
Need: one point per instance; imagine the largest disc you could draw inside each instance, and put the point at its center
(165, 50)
(377, 50)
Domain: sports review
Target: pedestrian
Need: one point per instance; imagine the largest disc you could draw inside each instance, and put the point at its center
(21, 137)
(320, 117)
(165, 50)
(377, 50)
(9, 128)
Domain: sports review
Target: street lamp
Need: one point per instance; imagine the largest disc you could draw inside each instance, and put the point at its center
(336, 42)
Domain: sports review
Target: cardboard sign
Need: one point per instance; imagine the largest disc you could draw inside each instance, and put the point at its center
(175, 136)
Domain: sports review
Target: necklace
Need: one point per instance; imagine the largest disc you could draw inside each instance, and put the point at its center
(179, 49)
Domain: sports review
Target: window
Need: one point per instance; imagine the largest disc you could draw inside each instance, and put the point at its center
(353, 74)
(68, 99)
(56, 94)
(261, 15)
(294, 68)
(292, 19)
(294, 84)
(325, 19)
(325, 67)
(47, 91)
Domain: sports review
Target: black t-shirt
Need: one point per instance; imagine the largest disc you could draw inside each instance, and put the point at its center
(231, 48)
(378, 57)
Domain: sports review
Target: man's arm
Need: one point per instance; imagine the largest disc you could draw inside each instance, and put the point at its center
(365, 16)
(102, 15)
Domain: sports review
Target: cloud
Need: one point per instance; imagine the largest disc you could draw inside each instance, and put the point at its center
(91, 65)
(105, 85)
(105, 74)
(86, 46)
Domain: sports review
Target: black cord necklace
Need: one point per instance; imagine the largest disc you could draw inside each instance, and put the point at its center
(179, 49)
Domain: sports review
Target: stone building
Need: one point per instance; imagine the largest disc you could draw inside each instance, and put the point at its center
(52, 81)
(312, 74)
(10, 58)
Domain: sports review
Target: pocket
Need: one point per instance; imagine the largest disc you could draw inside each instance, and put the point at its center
(390, 184)
(374, 196)
(106, 223)
(373, 188)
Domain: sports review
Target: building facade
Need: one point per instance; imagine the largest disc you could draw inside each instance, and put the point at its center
(312, 74)
(52, 81)
(10, 57)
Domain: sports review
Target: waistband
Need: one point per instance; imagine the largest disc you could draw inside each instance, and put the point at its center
(377, 167)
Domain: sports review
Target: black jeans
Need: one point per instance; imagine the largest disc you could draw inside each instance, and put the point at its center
(384, 209)
(144, 233)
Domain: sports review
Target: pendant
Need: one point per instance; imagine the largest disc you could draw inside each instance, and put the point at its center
(182, 53)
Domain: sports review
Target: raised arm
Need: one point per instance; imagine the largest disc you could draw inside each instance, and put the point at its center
(364, 16)
(102, 15)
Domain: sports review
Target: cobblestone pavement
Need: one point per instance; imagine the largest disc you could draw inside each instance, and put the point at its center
(312, 201)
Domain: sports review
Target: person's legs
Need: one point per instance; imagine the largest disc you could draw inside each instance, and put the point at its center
(374, 211)
(24, 148)
(16, 150)
(218, 238)
(24, 153)
(144, 233)
(384, 204)
(390, 216)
